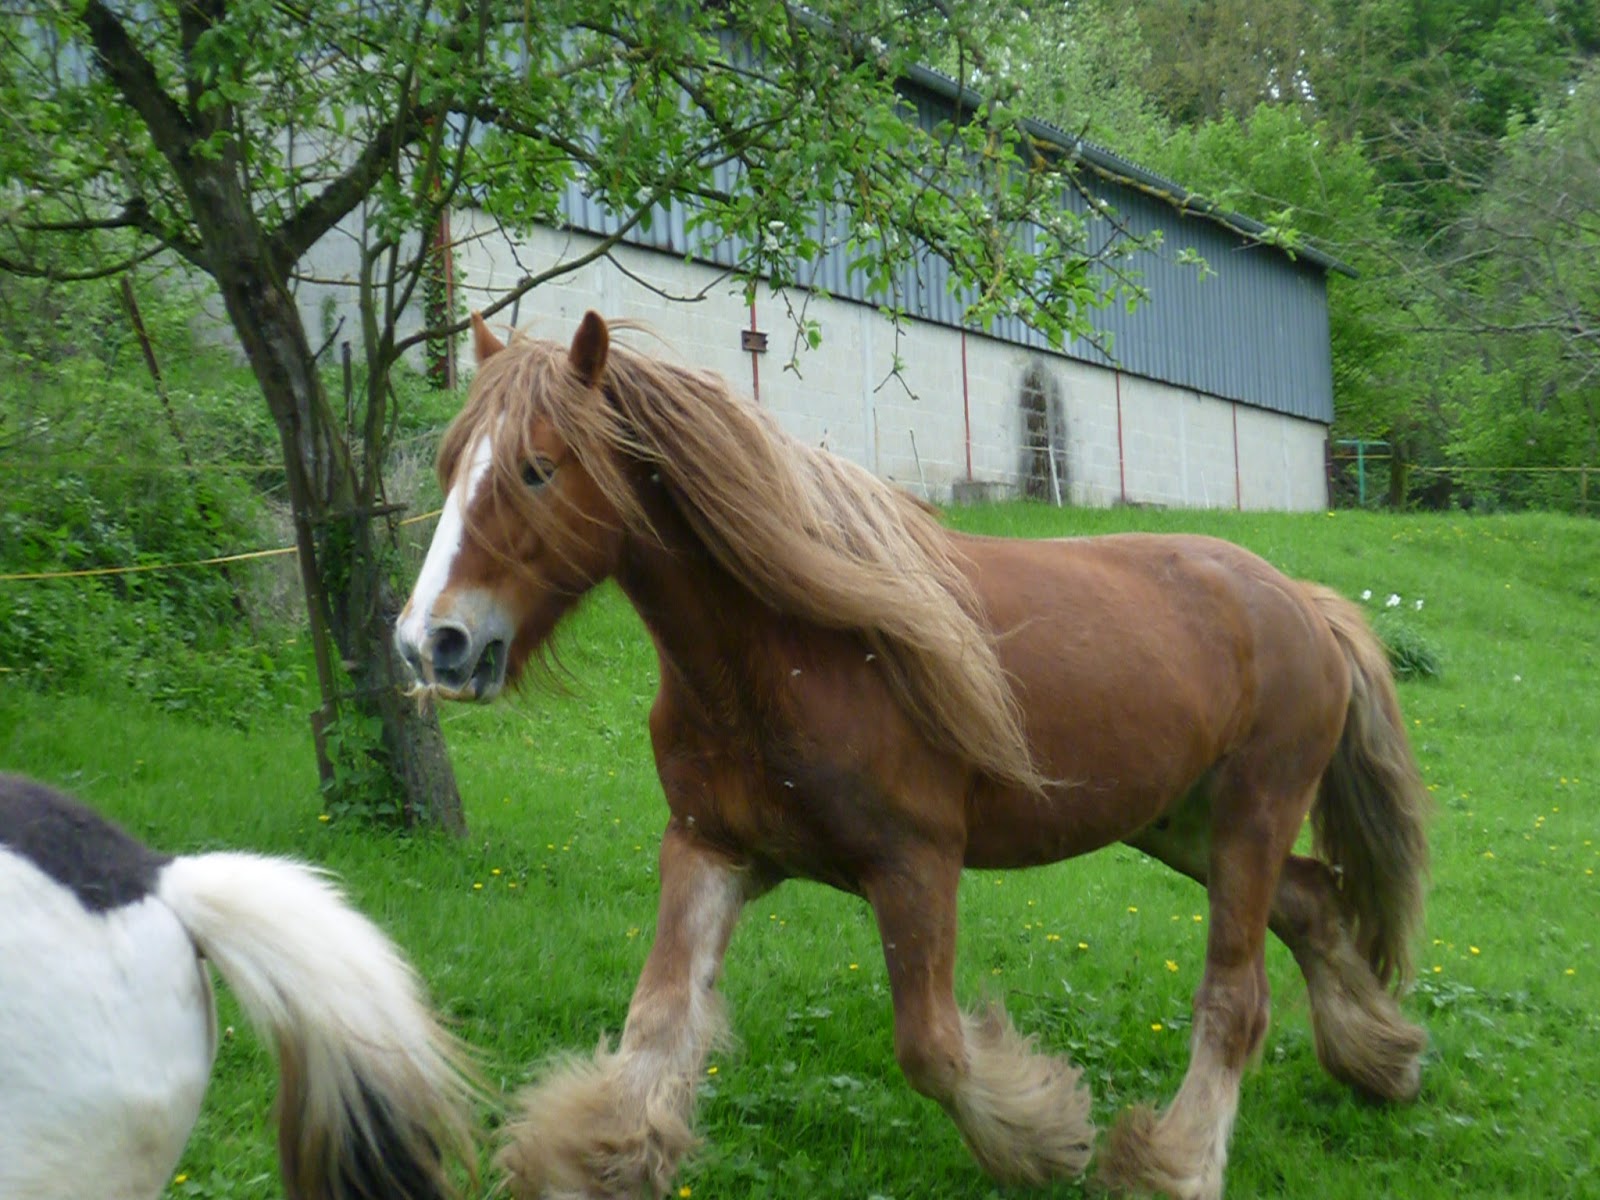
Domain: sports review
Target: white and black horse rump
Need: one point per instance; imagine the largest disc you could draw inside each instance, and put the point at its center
(108, 1029)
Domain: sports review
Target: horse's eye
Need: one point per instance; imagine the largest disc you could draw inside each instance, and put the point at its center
(536, 474)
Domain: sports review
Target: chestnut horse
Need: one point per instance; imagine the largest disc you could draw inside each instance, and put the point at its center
(852, 693)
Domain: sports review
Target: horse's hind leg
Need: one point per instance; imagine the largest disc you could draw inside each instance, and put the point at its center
(1361, 1037)
(616, 1125)
(1024, 1115)
(1182, 1151)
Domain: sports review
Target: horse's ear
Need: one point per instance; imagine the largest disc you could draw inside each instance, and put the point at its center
(484, 344)
(590, 345)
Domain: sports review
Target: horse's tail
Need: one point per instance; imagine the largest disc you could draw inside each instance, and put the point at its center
(1370, 818)
(374, 1095)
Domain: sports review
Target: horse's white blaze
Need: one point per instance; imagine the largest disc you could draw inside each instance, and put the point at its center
(106, 1037)
(412, 628)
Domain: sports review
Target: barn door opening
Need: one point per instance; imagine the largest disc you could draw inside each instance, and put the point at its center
(1043, 470)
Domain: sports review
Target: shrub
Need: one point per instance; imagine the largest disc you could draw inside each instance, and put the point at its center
(1412, 654)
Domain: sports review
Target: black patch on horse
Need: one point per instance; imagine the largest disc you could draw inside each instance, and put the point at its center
(100, 863)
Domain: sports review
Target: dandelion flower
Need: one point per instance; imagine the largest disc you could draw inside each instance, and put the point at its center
(476, 886)
(1133, 908)
(685, 1192)
(1171, 966)
(855, 966)
(1473, 949)
(711, 1070)
(324, 817)
(1155, 1026)
(1083, 945)
(494, 870)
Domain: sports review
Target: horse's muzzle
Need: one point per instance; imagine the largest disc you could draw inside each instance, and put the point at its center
(455, 663)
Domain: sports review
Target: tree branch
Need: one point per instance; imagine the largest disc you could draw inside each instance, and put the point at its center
(12, 266)
(134, 76)
(134, 215)
(301, 231)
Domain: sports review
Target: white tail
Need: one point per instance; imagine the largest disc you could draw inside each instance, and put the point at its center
(374, 1100)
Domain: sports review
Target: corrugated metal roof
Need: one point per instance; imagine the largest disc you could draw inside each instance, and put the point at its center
(1122, 170)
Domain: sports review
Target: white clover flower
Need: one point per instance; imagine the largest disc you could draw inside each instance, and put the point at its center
(1393, 601)
(1366, 593)
(1418, 606)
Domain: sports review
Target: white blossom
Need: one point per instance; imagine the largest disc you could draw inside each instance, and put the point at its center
(1393, 601)
(1366, 593)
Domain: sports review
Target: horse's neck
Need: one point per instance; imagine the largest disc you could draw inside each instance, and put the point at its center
(708, 628)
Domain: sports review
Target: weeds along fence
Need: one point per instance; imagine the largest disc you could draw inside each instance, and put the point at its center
(112, 575)
(1364, 479)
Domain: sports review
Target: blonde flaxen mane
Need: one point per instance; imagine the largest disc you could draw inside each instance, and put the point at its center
(807, 532)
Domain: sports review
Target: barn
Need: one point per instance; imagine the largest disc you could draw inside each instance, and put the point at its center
(1217, 392)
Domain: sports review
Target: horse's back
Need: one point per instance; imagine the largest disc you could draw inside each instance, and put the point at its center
(106, 1036)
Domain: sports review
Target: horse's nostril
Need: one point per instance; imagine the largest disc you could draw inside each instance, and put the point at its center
(411, 656)
(450, 647)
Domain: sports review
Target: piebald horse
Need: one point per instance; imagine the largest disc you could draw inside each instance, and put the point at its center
(853, 694)
(108, 1030)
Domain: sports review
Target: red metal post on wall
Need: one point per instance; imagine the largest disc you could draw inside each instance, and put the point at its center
(755, 358)
(966, 404)
(1122, 467)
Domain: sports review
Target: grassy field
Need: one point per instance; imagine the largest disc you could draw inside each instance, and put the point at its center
(531, 932)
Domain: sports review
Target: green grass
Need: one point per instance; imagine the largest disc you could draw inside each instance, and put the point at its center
(564, 805)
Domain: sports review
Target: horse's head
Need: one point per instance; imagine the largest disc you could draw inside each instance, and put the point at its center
(527, 526)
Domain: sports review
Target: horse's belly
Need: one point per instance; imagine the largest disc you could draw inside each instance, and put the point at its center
(106, 1028)
(1014, 829)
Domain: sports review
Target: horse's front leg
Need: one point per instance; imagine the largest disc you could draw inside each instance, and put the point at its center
(1024, 1115)
(617, 1125)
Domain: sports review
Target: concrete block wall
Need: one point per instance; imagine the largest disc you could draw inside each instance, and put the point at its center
(957, 397)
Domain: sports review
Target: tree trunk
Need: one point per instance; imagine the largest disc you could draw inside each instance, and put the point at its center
(344, 572)
(1399, 470)
(340, 563)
